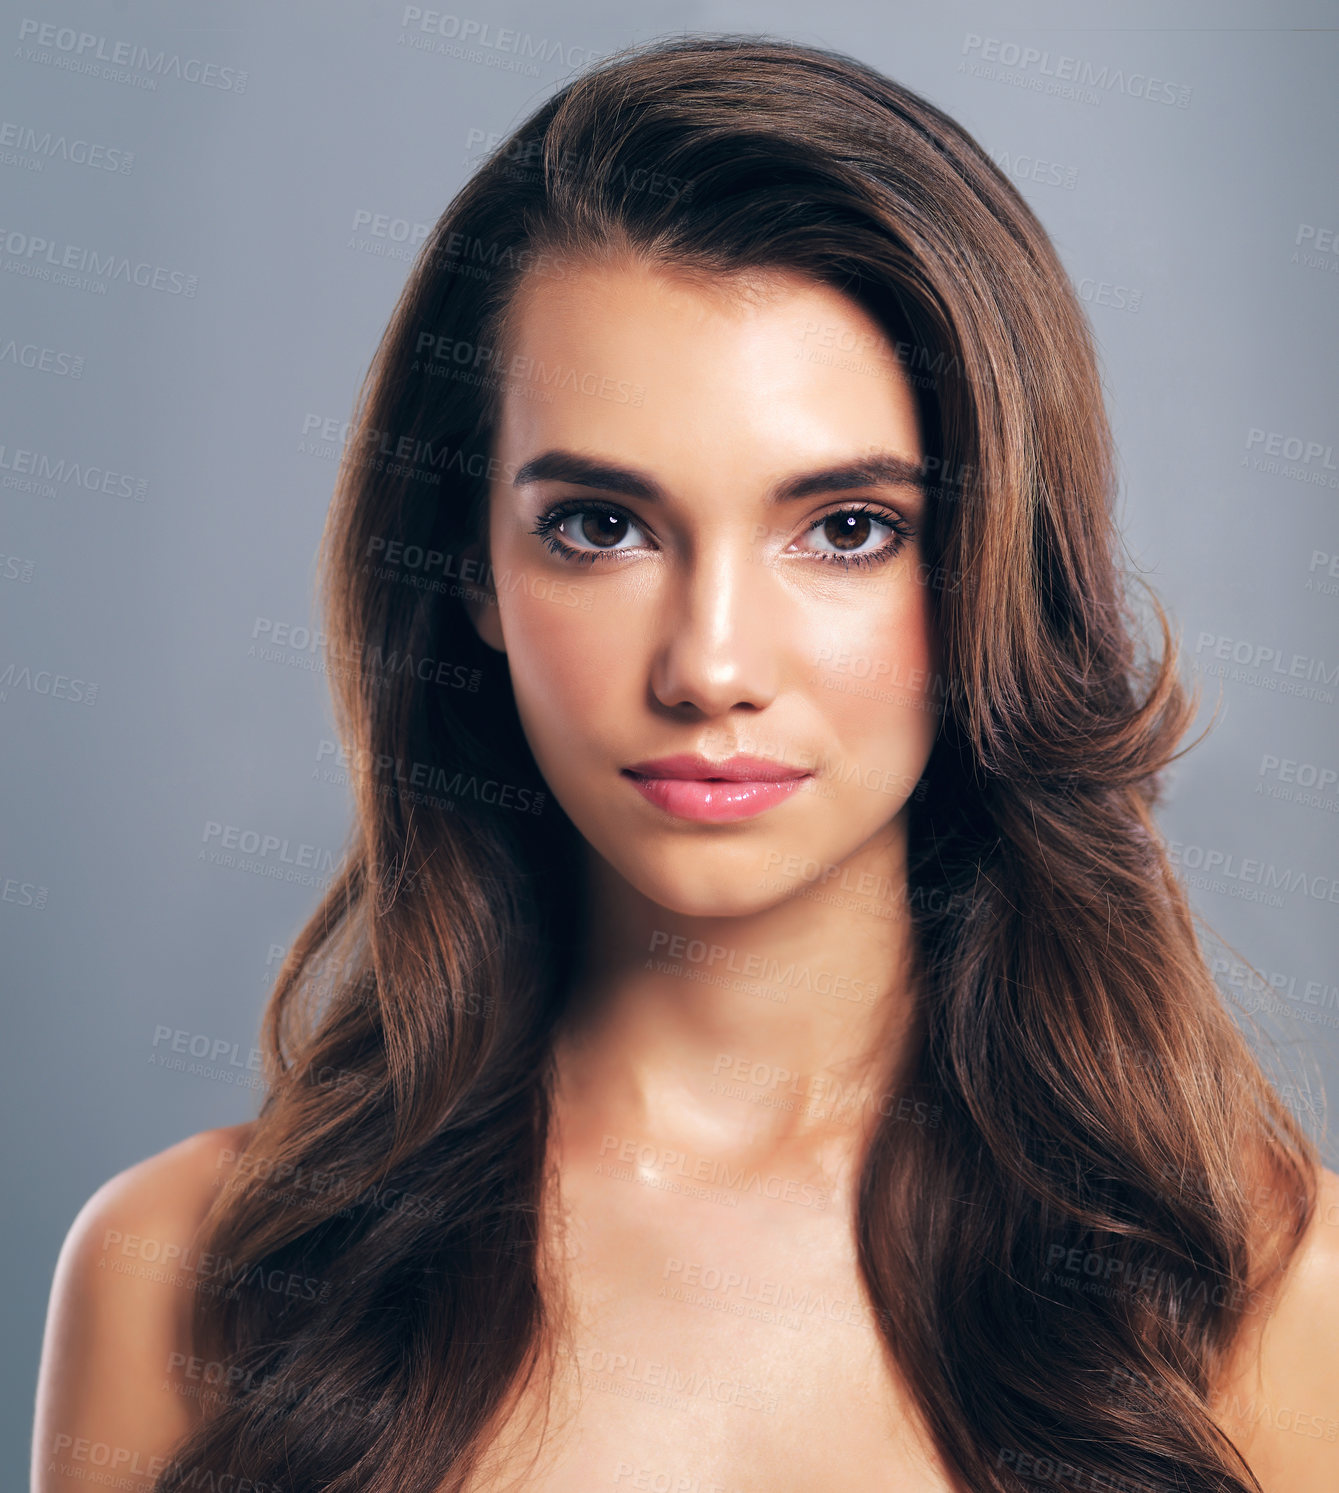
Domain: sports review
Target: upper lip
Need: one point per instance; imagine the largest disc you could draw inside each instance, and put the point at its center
(739, 769)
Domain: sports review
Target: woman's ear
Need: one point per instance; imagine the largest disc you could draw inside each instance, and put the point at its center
(479, 597)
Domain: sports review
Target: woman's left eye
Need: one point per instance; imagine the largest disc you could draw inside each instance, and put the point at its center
(584, 531)
(849, 529)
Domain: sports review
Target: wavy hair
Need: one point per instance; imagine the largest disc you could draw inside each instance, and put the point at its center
(1098, 1103)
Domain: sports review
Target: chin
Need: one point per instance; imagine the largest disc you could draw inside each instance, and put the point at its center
(702, 890)
(693, 902)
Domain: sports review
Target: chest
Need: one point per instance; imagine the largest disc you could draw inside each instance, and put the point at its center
(717, 1343)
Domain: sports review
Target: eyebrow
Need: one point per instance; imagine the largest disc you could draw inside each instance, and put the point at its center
(882, 469)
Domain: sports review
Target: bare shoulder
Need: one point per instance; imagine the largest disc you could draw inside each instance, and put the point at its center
(1280, 1403)
(113, 1390)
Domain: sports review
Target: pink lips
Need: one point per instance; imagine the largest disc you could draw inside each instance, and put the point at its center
(691, 787)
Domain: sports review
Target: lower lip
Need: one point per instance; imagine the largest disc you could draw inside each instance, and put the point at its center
(714, 801)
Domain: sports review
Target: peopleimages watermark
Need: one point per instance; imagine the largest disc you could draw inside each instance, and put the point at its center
(740, 1293)
(275, 857)
(1265, 666)
(23, 893)
(832, 346)
(1267, 990)
(1025, 167)
(663, 1166)
(39, 359)
(1037, 69)
(525, 158)
(305, 647)
(1316, 248)
(386, 237)
(778, 1087)
(1276, 453)
(666, 1384)
(391, 237)
(429, 782)
(644, 1477)
(171, 1263)
(1070, 1476)
(1316, 1425)
(767, 968)
(1312, 785)
(119, 61)
(115, 1466)
(455, 573)
(221, 1057)
(23, 145)
(1099, 1272)
(319, 1189)
(1109, 293)
(26, 470)
(394, 455)
(440, 356)
(44, 682)
(1329, 563)
(84, 269)
(480, 41)
(837, 885)
(1248, 877)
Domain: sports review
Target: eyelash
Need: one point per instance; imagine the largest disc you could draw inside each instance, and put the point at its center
(546, 529)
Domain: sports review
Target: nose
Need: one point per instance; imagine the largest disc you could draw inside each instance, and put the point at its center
(720, 633)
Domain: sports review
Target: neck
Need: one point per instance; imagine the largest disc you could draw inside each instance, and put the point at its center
(786, 1031)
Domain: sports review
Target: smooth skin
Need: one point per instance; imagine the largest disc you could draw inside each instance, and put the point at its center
(744, 1011)
(716, 621)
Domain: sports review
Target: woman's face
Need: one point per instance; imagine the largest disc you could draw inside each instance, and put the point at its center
(713, 575)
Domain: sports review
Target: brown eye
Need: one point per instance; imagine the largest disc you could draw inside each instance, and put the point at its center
(843, 536)
(602, 527)
(575, 530)
(846, 530)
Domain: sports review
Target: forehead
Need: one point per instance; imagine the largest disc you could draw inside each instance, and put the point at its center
(629, 359)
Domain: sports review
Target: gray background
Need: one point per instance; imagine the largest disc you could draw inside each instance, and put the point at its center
(1196, 232)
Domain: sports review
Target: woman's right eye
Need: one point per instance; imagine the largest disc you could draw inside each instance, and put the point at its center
(583, 531)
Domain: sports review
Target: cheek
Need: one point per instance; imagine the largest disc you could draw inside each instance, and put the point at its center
(877, 685)
(565, 667)
(557, 651)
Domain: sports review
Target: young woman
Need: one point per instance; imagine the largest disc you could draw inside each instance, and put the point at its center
(756, 1040)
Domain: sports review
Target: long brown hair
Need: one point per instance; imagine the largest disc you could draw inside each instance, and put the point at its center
(1061, 1265)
